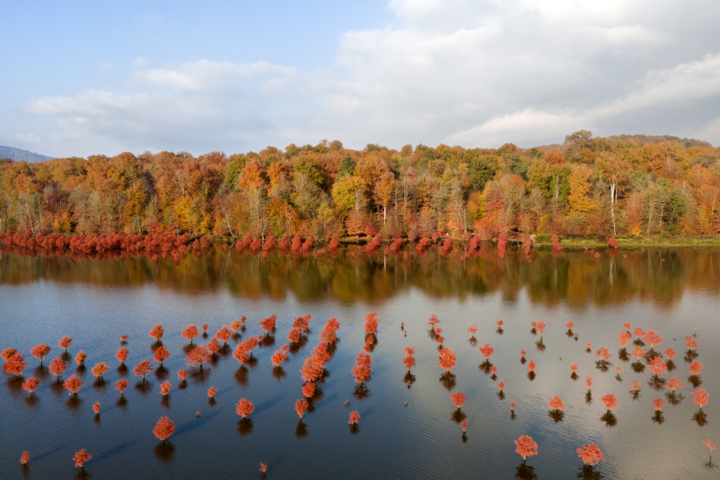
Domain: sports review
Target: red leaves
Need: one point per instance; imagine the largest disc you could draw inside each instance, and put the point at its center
(574, 367)
(30, 385)
(121, 385)
(65, 342)
(525, 446)
(161, 354)
(556, 404)
(100, 369)
(197, 356)
(237, 324)
(603, 353)
(191, 332)
(700, 397)
(531, 366)
(312, 369)
(24, 458)
(142, 369)
(40, 351)
(73, 384)
(652, 338)
(458, 399)
(624, 338)
(695, 368)
(674, 383)
(362, 370)
(472, 329)
(15, 364)
(57, 366)
(268, 324)
(244, 407)
(223, 334)
(96, 408)
(157, 332)
(371, 323)
(446, 359)
(610, 401)
(658, 403)
(164, 428)
(211, 392)
(486, 351)
(657, 366)
(590, 454)
(121, 354)
(165, 388)
(308, 390)
(300, 407)
(81, 458)
(354, 418)
(278, 358)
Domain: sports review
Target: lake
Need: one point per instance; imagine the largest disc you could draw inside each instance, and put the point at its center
(95, 301)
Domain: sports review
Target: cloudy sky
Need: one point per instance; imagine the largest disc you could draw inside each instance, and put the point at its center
(83, 78)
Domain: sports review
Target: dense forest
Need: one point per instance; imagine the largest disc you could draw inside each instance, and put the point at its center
(616, 186)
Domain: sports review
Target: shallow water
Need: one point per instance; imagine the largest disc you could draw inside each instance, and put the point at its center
(96, 301)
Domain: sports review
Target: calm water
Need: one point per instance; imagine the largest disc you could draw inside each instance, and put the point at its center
(96, 301)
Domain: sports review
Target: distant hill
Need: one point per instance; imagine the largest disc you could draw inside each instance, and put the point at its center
(17, 154)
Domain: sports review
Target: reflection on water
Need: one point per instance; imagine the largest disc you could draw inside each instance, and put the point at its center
(509, 369)
(576, 278)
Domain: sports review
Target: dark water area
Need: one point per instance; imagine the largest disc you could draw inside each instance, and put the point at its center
(97, 301)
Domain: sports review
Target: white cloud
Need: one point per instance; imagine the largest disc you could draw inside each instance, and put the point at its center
(460, 71)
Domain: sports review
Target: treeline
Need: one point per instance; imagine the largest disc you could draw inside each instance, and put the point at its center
(616, 186)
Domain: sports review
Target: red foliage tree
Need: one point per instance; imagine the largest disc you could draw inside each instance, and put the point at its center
(157, 332)
(362, 370)
(80, 357)
(165, 388)
(24, 458)
(658, 403)
(211, 392)
(224, 334)
(198, 356)
(472, 329)
(190, 333)
(57, 367)
(142, 369)
(238, 324)
(65, 343)
(81, 458)
(100, 369)
(312, 369)
(96, 408)
(700, 397)
(610, 401)
(164, 428)
(30, 385)
(161, 354)
(674, 383)
(354, 418)
(182, 375)
(73, 384)
(300, 407)
(278, 358)
(447, 359)
(695, 368)
(40, 352)
(268, 324)
(121, 385)
(525, 446)
(458, 399)
(590, 454)
(531, 366)
(122, 355)
(244, 407)
(371, 323)
(15, 364)
(657, 366)
(486, 351)
(556, 404)
(308, 390)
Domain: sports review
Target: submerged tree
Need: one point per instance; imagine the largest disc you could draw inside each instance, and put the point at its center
(354, 418)
(65, 343)
(164, 428)
(300, 407)
(121, 385)
(81, 458)
(57, 367)
(157, 332)
(40, 352)
(80, 358)
(15, 364)
(100, 369)
(160, 355)
(526, 447)
(458, 399)
(122, 355)
(244, 407)
(191, 332)
(73, 384)
(198, 356)
(142, 369)
(30, 385)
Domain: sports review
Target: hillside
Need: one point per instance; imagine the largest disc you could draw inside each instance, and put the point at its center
(17, 154)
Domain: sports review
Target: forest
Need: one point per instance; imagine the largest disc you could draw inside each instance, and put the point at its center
(621, 186)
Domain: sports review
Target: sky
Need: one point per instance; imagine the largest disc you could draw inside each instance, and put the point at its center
(83, 78)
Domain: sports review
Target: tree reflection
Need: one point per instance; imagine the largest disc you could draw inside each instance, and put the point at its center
(525, 472)
(245, 426)
(165, 451)
(301, 430)
(588, 472)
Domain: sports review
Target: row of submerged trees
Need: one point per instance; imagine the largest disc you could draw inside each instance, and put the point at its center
(314, 369)
(634, 185)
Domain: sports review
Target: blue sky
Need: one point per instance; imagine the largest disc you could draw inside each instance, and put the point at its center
(83, 78)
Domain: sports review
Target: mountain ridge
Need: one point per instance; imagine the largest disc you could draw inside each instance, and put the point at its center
(18, 154)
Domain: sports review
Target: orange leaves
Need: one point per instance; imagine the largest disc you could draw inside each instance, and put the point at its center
(362, 370)
(15, 364)
(556, 404)
(211, 392)
(300, 407)
(73, 384)
(191, 332)
(121, 354)
(157, 332)
(24, 458)
(278, 358)
(224, 334)
(657, 366)
(121, 385)
(700, 397)
(447, 359)
(486, 351)
(197, 356)
(458, 399)
(100, 369)
(244, 407)
(96, 408)
(81, 458)
(161, 354)
(40, 351)
(57, 366)
(610, 401)
(354, 418)
(268, 324)
(30, 385)
(590, 454)
(164, 428)
(525, 446)
(695, 368)
(312, 369)
(308, 390)
(142, 369)
(65, 342)
(371, 323)
(165, 388)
